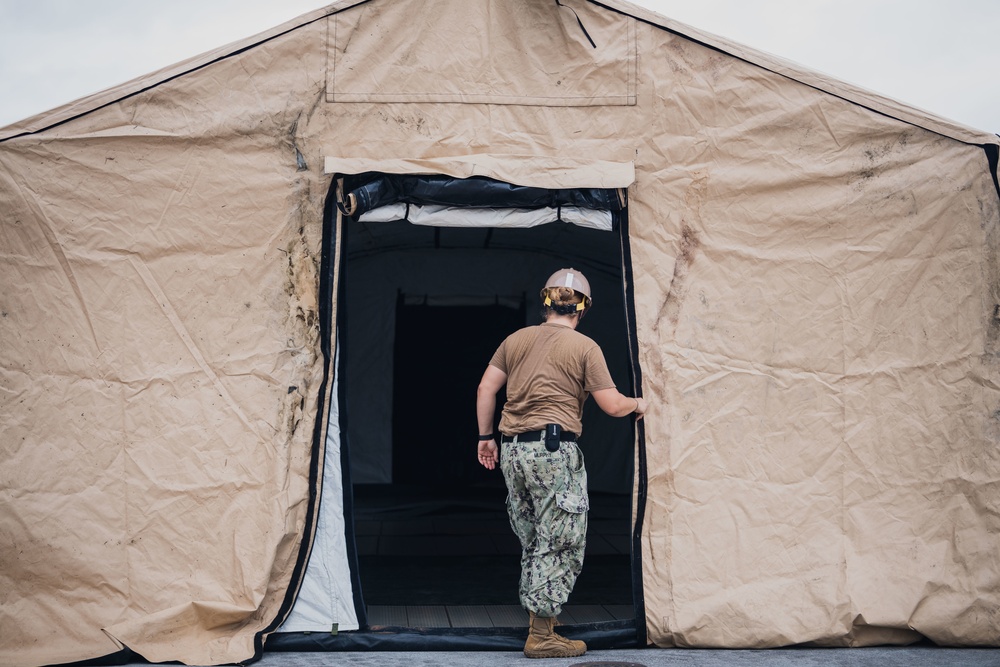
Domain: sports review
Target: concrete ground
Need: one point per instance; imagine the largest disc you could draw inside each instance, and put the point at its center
(859, 657)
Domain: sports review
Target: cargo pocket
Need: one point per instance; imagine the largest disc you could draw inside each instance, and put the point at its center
(522, 526)
(569, 529)
(572, 497)
(573, 503)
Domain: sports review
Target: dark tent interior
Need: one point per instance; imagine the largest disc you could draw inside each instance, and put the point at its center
(425, 309)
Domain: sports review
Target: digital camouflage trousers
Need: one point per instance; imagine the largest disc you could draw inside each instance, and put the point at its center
(547, 504)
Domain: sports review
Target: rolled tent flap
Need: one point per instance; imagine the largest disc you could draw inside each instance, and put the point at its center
(485, 190)
(454, 216)
(368, 191)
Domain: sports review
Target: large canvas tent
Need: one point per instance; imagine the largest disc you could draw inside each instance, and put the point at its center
(197, 328)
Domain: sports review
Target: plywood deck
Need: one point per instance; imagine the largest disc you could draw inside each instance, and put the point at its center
(452, 561)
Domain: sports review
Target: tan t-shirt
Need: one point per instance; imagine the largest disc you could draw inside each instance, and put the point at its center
(551, 369)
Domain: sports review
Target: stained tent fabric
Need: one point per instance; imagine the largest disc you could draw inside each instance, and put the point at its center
(812, 269)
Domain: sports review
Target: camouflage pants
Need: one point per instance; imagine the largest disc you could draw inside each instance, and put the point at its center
(547, 504)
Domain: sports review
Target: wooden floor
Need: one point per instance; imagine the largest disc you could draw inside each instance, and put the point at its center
(487, 616)
(422, 557)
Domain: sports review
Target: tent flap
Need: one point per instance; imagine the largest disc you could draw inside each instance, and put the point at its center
(369, 191)
(447, 216)
(540, 171)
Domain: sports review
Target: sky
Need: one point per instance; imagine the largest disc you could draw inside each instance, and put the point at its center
(937, 55)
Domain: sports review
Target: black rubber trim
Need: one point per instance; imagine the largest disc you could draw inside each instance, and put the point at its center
(126, 656)
(610, 635)
(993, 157)
(345, 456)
(641, 481)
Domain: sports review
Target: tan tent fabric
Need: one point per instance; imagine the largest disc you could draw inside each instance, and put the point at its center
(795, 71)
(815, 278)
(160, 370)
(481, 62)
(538, 171)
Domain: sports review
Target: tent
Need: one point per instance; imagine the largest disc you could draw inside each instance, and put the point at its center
(203, 340)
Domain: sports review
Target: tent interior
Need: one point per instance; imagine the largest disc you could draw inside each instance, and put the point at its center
(423, 310)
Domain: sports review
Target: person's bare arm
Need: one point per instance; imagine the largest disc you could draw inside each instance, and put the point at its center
(617, 404)
(486, 404)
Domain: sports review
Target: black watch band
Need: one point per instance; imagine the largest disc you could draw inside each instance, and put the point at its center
(488, 436)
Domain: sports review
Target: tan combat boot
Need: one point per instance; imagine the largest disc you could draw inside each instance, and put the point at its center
(543, 642)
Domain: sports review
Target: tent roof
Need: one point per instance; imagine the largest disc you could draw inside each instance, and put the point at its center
(855, 94)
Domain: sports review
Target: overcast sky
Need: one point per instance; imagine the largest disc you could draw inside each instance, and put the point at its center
(939, 55)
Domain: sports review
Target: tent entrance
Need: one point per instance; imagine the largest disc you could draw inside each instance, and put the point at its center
(426, 309)
(420, 310)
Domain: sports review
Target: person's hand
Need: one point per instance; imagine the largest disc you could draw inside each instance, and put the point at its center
(488, 453)
(640, 408)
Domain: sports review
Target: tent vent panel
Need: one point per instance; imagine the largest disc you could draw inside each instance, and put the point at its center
(539, 55)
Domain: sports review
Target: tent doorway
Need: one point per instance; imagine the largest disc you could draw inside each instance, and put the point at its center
(435, 272)
(425, 310)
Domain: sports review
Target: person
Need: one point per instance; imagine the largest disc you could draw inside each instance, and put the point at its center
(549, 371)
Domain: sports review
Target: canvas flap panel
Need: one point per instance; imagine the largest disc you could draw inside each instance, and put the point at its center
(161, 413)
(523, 52)
(528, 170)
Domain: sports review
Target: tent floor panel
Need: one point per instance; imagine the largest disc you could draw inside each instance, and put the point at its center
(486, 616)
(458, 580)
(425, 548)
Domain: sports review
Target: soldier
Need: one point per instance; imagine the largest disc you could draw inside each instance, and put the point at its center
(549, 371)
